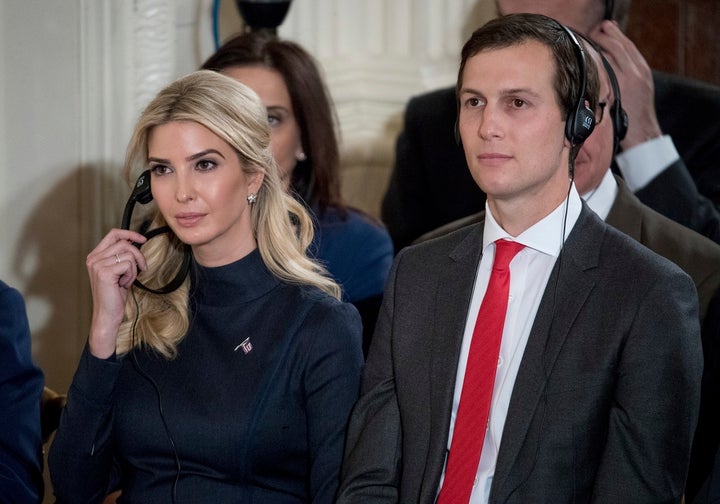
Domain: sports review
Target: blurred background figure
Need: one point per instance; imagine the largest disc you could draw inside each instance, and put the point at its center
(355, 248)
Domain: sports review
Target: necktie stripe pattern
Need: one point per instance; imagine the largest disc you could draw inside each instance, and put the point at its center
(474, 409)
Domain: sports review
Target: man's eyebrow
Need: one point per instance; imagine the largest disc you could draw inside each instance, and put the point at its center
(504, 92)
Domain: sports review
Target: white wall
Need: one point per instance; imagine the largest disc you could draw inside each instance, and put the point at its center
(76, 73)
(40, 173)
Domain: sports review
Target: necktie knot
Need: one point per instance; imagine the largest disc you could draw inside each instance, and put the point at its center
(505, 250)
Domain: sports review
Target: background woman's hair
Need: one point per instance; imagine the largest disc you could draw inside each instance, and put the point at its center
(317, 179)
(281, 225)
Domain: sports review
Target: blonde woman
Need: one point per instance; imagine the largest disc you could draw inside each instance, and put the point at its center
(235, 387)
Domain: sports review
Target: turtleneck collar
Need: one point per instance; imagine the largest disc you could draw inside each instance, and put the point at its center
(238, 282)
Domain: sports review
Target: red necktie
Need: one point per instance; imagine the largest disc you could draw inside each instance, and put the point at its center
(472, 415)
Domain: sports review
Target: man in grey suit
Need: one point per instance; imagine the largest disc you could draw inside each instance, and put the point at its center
(586, 407)
(609, 197)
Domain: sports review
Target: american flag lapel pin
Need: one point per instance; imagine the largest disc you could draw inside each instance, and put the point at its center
(245, 345)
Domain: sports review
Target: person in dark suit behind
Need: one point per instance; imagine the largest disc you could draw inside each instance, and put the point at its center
(430, 185)
(21, 386)
(584, 407)
(237, 385)
(609, 197)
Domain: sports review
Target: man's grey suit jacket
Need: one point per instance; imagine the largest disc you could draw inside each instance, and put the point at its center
(604, 404)
(699, 257)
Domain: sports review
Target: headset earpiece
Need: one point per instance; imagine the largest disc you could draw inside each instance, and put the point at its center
(581, 121)
(618, 116)
(143, 194)
(617, 112)
(580, 124)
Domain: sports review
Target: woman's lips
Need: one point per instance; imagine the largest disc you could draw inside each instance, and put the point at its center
(189, 219)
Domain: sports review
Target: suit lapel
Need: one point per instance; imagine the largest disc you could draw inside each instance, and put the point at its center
(453, 294)
(566, 293)
(624, 214)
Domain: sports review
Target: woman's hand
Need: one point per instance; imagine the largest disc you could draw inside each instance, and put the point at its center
(112, 266)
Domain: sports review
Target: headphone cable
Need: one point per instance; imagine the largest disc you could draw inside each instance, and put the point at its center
(144, 374)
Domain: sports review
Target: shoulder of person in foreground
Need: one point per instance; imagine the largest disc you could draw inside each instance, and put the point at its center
(330, 349)
(450, 227)
(647, 307)
(21, 386)
(694, 253)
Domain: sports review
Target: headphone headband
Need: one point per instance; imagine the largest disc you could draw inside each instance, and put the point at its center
(581, 120)
(609, 8)
(618, 115)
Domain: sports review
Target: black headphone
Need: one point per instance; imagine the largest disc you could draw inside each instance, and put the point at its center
(581, 120)
(618, 115)
(141, 193)
(609, 7)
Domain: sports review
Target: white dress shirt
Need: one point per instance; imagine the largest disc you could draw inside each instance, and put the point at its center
(601, 199)
(646, 161)
(529, 273)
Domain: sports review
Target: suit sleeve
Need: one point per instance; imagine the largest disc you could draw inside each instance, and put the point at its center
(657, 396)
(80, 458)
(21, 385)
(371, 465)
(332, 384)
(674, 194)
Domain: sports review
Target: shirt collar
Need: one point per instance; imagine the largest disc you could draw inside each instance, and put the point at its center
(546, 235)
(601, 199)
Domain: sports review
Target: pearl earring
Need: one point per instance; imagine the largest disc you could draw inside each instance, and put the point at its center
(252, 198)
(301, 156)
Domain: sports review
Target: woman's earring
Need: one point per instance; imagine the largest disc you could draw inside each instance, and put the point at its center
(300, 156)
(252, 198)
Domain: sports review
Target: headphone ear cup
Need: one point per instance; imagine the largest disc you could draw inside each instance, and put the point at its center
(620, 118)
(580, 124)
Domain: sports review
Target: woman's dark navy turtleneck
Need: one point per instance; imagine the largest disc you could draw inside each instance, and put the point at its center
(255, 402)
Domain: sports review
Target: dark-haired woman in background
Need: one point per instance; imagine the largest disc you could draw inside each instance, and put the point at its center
(356, 249)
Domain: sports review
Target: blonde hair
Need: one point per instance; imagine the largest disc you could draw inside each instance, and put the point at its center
(281, 226)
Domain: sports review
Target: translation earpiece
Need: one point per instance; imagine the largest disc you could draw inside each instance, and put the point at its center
(142, 193)
(580, 124)
(581, 121)
(618, 116)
